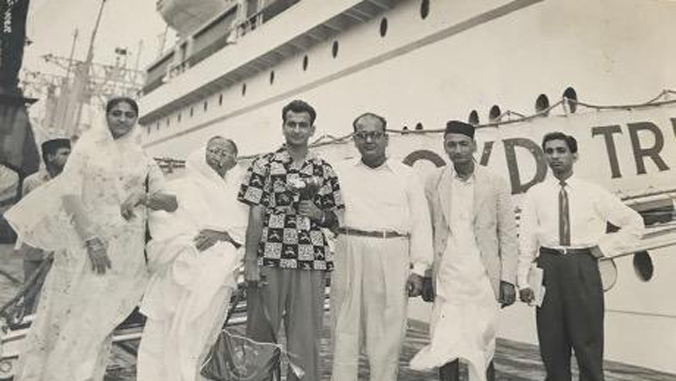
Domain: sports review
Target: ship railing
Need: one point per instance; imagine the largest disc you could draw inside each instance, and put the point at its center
(223, 30)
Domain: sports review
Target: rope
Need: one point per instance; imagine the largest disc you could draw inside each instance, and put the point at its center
(10, 311)
(660, 100)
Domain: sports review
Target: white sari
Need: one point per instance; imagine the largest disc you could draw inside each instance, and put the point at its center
(187, 298)
(70, 337)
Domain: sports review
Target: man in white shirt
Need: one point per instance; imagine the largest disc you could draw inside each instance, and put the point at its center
(564, 219)
(475, 257)
(382, 252)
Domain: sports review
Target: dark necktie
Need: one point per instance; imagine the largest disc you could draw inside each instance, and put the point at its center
(564, 216)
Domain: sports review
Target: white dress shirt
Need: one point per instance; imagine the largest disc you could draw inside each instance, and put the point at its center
(590, 208)
(390, 197)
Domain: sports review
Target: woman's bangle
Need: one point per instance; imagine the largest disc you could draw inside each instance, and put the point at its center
(94, 243)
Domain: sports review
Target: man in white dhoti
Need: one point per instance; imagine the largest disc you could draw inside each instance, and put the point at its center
(385, 232)
(194, 259)
(475, 247)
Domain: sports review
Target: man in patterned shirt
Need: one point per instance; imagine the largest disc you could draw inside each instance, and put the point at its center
(292, 193)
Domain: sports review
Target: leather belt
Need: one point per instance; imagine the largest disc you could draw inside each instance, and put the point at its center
(372, 233)
(565, 250)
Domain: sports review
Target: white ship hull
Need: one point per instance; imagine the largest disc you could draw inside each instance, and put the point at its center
(465, 55)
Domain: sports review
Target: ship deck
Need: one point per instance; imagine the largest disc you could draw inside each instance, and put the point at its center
(514, 361)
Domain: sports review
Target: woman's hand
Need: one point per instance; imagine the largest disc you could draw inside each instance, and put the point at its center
(127, 207)
(98, 256)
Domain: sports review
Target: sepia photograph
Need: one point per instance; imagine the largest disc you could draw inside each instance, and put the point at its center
(337, 190)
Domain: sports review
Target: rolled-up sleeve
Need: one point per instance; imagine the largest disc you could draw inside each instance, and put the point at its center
(628, 220)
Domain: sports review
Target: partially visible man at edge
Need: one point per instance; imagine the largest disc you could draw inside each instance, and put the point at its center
(476, 252)
(382, 253)
(54, 155)
(285, 243)
(563, 228)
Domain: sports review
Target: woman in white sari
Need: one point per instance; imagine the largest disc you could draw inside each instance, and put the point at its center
(93, 216)
(194, 259)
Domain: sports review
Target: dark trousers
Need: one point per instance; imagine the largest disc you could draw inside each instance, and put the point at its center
(451, 371)
(297, 297)
(571, 316)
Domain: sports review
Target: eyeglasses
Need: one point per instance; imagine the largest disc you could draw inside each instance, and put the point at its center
(220, 152)
(363, 135)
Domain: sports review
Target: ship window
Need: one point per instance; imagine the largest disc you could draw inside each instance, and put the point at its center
(306, 61)
(168, 121)
(157, 126)
(571, 94)
(192, 111)
(643, 265)
(419, 126)
(542, 104)
(495, 113)
(243, 89)
(220, 100)
(383, 27)
(272, 77)
(206, 106)
(178, 118)
(334, 49)
(424, 9)
(473, 118)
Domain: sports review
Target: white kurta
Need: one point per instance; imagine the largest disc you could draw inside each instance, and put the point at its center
(464, 318)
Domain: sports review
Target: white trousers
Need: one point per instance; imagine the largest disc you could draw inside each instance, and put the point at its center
(369, 303)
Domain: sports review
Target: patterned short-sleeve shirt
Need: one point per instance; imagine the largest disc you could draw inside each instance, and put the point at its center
(290, 240)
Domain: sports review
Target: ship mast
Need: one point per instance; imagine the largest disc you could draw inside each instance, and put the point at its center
(81, 80)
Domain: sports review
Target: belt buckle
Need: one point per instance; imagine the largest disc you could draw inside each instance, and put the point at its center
(564, 250)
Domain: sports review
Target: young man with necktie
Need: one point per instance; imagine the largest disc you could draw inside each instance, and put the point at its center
(564, 220)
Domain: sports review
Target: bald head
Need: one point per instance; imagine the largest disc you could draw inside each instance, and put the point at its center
(221, 154)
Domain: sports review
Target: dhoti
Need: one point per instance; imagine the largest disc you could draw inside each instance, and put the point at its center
(464, 318)
(369, 304)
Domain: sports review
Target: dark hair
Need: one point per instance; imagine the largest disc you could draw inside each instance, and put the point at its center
(379, 118)
(299, 106)
(112, 102)
(49, 147)
(570, 141)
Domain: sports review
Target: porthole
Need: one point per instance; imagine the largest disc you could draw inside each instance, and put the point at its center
(424, 9)
(495, 113)
(473, 118)
(643, 265)
(542, 104)
(272, 77)
(334, 49)
(418, 126)
(306, 61)
(383, 27)
(243, 89)
(571, 95)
